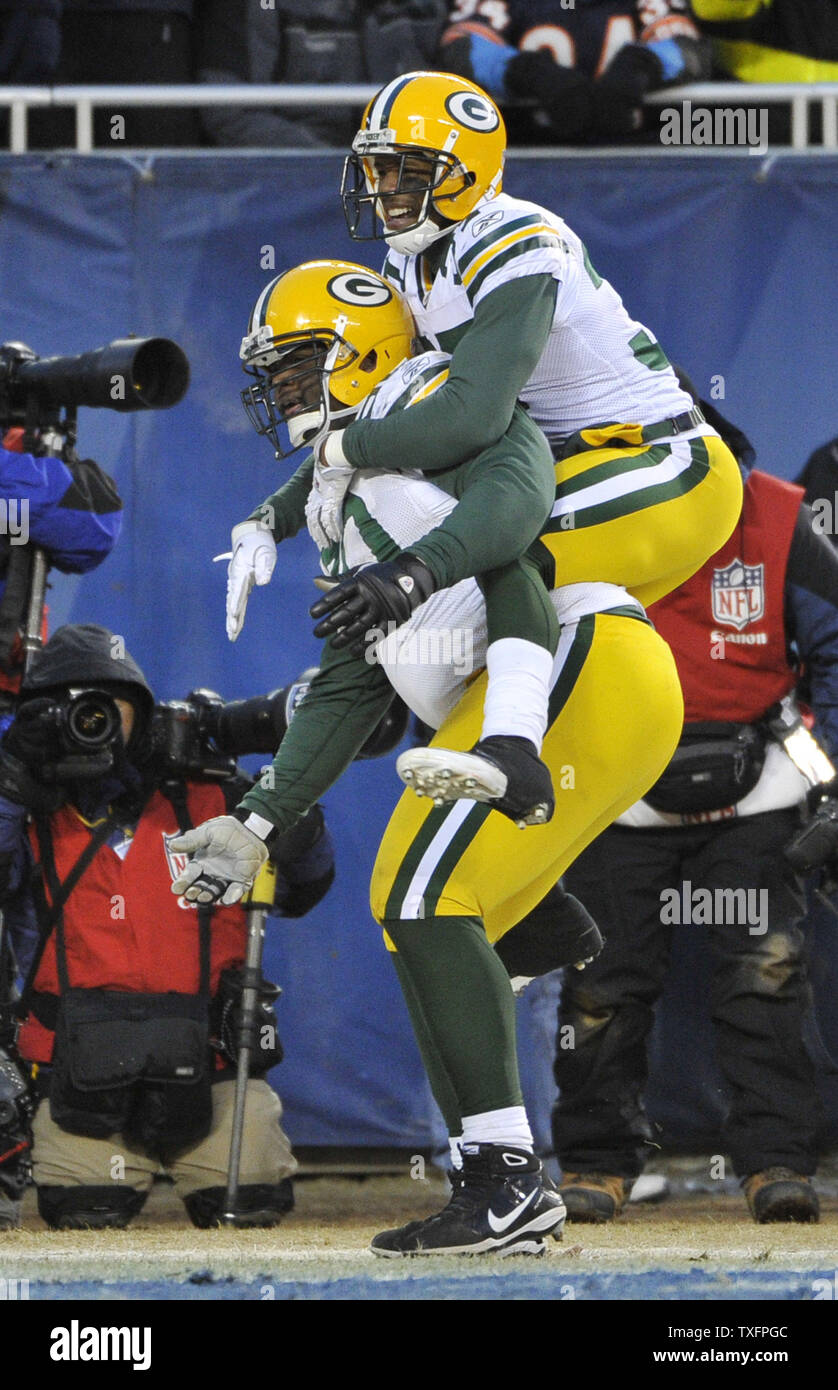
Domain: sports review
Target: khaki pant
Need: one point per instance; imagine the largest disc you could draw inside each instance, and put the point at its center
(70, 1160)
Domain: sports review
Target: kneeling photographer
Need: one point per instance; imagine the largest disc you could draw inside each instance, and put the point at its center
(132, 1017)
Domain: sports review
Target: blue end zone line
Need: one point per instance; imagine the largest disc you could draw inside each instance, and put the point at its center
(410, 1283)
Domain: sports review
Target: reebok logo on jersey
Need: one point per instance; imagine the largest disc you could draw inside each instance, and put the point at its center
(484, 223)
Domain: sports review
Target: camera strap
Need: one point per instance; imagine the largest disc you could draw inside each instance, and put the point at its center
(13, 602)
(50, 914)
(175, 793)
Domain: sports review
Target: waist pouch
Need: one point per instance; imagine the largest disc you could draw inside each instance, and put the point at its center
(134, 1063)
(714, 766)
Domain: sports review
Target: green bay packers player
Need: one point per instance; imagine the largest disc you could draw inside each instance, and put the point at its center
(323, 380)
(451, 880)
(645, 491)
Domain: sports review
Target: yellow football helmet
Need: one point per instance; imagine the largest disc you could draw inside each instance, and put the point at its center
(432, 118)
(320, 337)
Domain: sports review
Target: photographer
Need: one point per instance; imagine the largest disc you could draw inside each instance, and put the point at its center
(724, 823)
(132, 1005)
(55, 508)
(67, 506)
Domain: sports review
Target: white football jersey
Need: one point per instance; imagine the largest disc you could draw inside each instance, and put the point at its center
(599, 366)
(431, 658)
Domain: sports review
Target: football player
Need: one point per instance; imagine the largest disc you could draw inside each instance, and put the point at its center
(645, 489)
(450, 881)
(309, 381)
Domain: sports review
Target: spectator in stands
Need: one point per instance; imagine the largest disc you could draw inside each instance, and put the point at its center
(129, 41)
(773, 40)
(30, 41)
(300, 41)
(573, 73)
(708, 838)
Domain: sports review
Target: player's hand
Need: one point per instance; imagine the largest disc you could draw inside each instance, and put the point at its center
(252, 562)
(225, 859)
(324, 508)
(371, 598)
(34, 736)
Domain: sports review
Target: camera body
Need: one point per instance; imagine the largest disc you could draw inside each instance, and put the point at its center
(203, 735)
(817, 842)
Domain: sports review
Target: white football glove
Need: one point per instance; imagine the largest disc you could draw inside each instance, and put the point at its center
(252, 562)
(332, 476)
(226, 857)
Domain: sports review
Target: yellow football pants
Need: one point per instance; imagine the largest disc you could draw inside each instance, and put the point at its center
(616, 713)
(646, 517)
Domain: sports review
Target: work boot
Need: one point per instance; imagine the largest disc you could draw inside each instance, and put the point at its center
(780, 1194)
(594, 1197)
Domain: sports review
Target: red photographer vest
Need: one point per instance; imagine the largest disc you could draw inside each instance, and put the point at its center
(726, 625)
(124, 928)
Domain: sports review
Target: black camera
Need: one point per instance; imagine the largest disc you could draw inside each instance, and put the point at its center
(87, 723)
(127, 374)
(817, 842)
(203, 735)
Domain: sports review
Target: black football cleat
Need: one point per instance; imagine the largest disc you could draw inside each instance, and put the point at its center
(502, 770)
(559, 932)
(500, 1205)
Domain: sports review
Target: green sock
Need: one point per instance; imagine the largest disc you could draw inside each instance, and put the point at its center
(467, 1011)
(440, 1081)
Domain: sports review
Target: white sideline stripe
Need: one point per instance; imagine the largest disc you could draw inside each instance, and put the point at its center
(413, 903)
(636, 481)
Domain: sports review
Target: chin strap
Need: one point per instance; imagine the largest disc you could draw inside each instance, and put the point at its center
(416, 240)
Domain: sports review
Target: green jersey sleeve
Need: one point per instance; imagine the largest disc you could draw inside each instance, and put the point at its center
(505, 496)
(342, 706)
(490, 366)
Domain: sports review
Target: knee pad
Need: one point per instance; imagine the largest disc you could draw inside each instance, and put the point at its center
(89, 1208)
(257, 1204)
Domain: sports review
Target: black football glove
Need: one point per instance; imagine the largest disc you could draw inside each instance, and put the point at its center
(371, 598)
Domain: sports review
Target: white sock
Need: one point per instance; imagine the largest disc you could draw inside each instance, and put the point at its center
(507, 1126)
(456, 1154)
(518, 690)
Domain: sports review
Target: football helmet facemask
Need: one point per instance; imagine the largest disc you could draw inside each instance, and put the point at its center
(430, 146)
(320, 338)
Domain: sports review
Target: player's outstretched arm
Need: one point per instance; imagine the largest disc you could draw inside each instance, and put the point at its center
(254, 541)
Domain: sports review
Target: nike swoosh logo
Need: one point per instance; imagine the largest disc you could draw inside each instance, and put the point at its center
(500, 1223)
